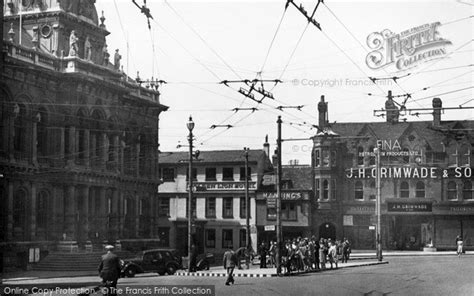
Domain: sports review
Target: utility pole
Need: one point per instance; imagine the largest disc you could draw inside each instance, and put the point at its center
(247, 205)
(278, 201)
(377, 205)
(190, 126)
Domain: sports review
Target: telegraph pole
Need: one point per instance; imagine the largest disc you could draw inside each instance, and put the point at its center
(190, 126)
(278, 201)
(377, 205)
(247, 205)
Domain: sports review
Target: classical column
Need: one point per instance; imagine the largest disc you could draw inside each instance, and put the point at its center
(116, 152)
(62, 143)
(93, 149)
(11, 137)
(104, 150)
(10, 211)
(103, 213)
(121, 152)
(58, 212)
(87, 148)
(121, 213)
(85, 213)
(71, 213)
(34, 141)
(32, 219)
(137, 158)
(72, 145)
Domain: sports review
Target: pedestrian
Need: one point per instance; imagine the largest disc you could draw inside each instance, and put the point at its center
(109, 270)
(316, 253)
(272, 253)
(230, 261)
(263, 255)
(459, 244)
(322, 254)
(346, 250)
(332, 253)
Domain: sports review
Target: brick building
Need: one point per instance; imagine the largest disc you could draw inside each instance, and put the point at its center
(426, 180)
(78, 138)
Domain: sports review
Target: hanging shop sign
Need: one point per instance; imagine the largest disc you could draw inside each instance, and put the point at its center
(404, 207)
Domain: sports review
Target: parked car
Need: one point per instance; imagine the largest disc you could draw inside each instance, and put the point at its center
(203, 261)
(161, 261)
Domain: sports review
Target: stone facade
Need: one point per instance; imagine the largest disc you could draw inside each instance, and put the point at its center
(79, 139)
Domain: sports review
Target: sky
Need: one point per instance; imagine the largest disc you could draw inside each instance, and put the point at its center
(195, 45)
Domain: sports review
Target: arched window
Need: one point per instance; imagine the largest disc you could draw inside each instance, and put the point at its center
(420, 189)
(96, 142)
(452, 190)
(464, 156)
(467, 190)
(42, 133)
(19, 209)
(20, 123)
(42, 209)
(360, 155)
(404, 190)
(358, 191)
(325, 189)
(371, 155)
(372, 191)
(317, 157)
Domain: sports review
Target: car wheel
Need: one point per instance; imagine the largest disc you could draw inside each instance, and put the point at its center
(130, 272)
(171, 269)
(206, 266)
(162, 272)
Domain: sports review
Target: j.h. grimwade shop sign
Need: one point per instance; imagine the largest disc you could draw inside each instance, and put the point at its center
(406, 49)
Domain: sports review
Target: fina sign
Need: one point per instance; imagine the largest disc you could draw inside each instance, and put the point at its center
(406, 49)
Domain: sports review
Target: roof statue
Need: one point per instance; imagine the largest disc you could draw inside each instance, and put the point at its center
(84, 8)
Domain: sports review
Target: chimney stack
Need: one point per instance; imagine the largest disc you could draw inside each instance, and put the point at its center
(392, 110)
(266, 147)
(323, 113)
(437, 105)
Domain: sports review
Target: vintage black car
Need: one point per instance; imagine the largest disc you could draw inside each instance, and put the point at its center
(161, 261)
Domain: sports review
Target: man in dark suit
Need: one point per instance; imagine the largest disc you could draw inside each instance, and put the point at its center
(230, 260)
(109, 270)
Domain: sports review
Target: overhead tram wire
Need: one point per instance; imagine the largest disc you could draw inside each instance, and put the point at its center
(273, 39)
(361, 45)
(445, 93)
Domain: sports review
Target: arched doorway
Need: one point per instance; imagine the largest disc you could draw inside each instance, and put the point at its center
(327, 230)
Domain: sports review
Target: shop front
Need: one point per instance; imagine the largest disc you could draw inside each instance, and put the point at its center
(451, 221)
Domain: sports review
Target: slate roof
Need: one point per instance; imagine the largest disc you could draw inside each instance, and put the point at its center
(215, 156)
(300, 176)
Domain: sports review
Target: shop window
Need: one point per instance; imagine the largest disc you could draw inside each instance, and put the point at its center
(164, 236)
(164, 206)
(467, 190)
(420, 189)
(227, 240)
(227, 207)
(452, 156)
(317, 158)
(210, 238)
(373, 191)
(168, 174)
(242, 237)
(360, 155)
(243, 208)
(452, 190)
(404, 190)
(211, 207)
(210, 174)
(325, 189)
(288, 211)
(228, 174)
(242, 173)
(358, 191)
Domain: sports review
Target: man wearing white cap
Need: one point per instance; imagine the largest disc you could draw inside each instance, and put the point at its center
(109, 270)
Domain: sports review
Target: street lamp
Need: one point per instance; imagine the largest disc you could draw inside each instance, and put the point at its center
(247, 206)
(377, 205)
(190, 126)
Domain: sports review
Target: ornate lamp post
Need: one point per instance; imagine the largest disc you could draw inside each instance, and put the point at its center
(190, 126)
(377, 206)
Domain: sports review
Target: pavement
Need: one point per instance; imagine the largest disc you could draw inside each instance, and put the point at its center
(90, 279)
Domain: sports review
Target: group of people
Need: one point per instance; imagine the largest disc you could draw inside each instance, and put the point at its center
(304, 254)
